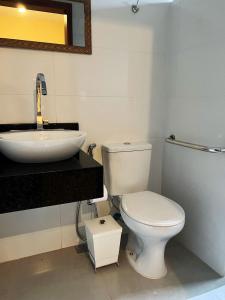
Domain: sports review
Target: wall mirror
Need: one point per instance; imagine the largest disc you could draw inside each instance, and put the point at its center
(53, 25)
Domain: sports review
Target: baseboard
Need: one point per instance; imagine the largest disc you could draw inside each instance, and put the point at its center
(29, 244)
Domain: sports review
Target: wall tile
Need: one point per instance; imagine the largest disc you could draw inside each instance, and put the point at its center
(19, 69)
(111, 25)
(196, 114)
(33, 243)
(17, 108)
(67, 108)
(198, 17)
(156, 164)
(49, 108)
(69, 236)
(192, 185)
(208, 78)
(140, 74)
(28, 221)
(102, 74)
(121, 29)
(200, 120)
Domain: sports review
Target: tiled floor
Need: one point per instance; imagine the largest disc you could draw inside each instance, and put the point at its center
(66, 275)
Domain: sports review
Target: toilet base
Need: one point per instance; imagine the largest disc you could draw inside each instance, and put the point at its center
(135, 266)
(146, 256)
(146, 246)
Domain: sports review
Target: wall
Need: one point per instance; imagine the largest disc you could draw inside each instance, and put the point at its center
(117, 94)
(196, 109)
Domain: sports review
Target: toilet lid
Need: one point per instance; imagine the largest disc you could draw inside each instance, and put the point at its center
(152, 209)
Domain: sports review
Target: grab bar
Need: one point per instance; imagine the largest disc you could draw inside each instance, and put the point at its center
(172, 140)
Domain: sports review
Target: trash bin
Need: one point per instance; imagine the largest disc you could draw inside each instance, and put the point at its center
(103, 239)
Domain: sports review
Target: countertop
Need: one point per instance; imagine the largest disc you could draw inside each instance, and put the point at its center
(29, 186)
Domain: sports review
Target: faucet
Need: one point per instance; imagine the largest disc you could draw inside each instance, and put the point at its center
(41, 89)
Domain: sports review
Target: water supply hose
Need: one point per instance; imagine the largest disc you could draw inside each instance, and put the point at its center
(77, 214)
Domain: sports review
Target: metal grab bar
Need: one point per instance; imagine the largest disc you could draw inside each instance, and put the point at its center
(172, 140)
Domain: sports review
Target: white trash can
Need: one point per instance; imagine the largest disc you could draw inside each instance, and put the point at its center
(103, 239)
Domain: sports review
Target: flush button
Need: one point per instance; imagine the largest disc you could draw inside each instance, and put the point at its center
(127, 143)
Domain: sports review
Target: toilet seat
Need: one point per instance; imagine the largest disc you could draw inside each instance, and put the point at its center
(152, 209)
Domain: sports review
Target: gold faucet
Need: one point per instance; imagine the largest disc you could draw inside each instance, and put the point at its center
(41, 89)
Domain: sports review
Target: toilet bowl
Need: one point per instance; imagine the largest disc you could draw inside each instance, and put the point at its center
(151, 218)
(156, 220)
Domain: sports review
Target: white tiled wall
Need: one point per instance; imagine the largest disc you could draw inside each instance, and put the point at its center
(116, 94)
(196, 113)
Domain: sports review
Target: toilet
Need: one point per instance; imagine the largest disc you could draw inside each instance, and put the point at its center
(151, 218)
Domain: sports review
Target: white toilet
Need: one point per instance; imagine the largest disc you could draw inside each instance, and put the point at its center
(151, 218)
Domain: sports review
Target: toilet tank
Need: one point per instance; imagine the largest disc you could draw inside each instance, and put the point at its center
(126, 167)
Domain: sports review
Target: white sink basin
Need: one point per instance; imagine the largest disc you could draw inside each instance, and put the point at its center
(34, 146)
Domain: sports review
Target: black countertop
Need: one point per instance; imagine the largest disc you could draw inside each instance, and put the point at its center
(81, 161)
(28, 186)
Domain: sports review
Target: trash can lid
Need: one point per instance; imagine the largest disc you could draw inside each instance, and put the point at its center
(102, 226)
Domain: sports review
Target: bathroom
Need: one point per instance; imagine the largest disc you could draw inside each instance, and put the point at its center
(150, 69)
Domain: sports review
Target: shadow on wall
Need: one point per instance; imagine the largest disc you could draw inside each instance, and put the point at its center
(143, 38)
(196, 113)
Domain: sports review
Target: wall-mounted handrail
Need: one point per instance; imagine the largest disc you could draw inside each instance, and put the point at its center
(172, 140)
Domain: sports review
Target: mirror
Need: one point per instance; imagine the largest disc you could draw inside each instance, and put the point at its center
(54, 25)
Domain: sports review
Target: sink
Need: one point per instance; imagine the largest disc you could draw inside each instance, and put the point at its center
(42, 146)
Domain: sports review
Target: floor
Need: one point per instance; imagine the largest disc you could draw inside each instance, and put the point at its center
(67, 275)
(217, 294)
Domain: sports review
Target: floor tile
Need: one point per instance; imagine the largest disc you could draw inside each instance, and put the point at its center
(67, 275)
